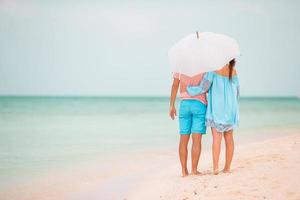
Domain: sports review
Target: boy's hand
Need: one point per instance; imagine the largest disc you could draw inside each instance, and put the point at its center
(172, 112)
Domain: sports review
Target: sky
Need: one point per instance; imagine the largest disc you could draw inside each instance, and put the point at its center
(120, 47)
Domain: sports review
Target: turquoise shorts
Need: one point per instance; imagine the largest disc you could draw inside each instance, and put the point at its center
(192, 117)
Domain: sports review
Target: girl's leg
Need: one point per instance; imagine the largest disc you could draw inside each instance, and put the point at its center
(196, 150)
(216, 148)
(183, 152)
(228, 136)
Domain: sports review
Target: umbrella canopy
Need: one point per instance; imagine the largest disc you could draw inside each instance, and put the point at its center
(201, 52)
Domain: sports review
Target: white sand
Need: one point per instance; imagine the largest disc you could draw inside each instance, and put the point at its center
(261, 170)
(265, 170)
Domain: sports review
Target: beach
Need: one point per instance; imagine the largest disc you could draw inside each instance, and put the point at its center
(75, 148)
(261, 170)
(267, 169)
(92, 99)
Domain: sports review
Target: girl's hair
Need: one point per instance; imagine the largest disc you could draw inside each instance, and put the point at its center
(231, 66)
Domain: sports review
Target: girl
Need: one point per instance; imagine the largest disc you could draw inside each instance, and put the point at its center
(222, 113)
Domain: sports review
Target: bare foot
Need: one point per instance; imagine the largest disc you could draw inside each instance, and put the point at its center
(226, 170)
(216, 171)
(185, 173)
(196, 173)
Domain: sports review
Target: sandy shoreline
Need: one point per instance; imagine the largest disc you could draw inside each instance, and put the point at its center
(262, 170)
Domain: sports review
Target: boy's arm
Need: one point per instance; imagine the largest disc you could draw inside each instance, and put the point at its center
(174, 91)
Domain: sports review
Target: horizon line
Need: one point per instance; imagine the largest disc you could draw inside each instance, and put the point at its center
(138, 96)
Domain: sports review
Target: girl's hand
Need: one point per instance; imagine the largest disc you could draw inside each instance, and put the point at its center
(172, 112)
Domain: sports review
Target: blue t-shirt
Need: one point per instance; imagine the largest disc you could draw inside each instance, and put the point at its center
(222, 100)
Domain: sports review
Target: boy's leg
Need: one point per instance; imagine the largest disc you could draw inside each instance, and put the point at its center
(196, 151)
(198, 128)
(183, 153)
(185, 122)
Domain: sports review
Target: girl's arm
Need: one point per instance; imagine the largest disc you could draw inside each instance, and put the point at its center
(174, 91)
(203, 87)
(238, 89)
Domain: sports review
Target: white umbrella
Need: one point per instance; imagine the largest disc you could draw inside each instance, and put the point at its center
(202, 52)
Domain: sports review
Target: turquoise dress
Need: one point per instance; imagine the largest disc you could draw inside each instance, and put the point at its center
(222, 109)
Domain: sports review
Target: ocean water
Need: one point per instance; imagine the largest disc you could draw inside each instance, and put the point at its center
(38, 133)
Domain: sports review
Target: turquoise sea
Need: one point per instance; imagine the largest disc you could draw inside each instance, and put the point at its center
(38, 133)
